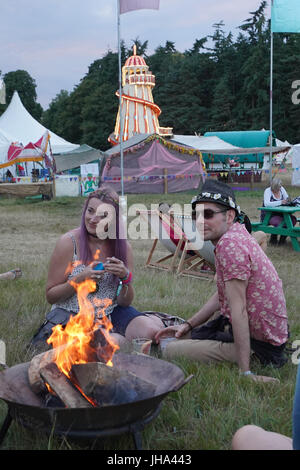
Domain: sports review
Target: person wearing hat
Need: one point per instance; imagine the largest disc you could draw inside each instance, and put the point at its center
(249, 297)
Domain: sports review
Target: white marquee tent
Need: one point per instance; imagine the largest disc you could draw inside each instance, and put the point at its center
(17, 125)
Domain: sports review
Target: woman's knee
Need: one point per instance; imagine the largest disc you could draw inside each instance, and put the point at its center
(143, 326)
(245, 437)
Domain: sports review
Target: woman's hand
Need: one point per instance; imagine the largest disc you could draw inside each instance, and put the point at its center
(89, 273)
(115, 266)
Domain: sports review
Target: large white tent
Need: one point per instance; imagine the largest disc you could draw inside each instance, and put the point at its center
(295, 156)
(17, 125)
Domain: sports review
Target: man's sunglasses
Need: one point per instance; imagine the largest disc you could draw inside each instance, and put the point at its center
(209, 213)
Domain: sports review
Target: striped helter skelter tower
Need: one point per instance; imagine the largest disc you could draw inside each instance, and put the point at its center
(139, 112)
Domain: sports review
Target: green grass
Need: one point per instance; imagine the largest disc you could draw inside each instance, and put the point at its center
(207, 411)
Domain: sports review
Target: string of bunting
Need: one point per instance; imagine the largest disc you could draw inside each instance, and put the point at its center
(150, 177)
(80, 178)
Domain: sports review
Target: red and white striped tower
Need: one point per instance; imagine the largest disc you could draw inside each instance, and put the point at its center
(139, 112)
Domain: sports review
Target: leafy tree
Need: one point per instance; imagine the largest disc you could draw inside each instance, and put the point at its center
(25, 85)
(218, 85)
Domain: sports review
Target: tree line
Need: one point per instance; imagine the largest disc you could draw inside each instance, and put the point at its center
(222, 83)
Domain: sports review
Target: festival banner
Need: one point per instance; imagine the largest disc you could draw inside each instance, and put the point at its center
(130, 5)
(285, 16)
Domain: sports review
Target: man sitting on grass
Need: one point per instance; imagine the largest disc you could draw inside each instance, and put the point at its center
(253, 318)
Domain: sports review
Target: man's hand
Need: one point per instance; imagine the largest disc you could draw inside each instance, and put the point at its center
(263, 378)
(177, 331)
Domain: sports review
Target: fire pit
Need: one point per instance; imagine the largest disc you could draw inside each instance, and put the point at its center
(92, 391)
(29, 408)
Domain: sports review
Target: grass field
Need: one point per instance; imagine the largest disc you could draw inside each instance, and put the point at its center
(206, 412)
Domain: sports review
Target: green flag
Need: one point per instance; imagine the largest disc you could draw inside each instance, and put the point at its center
(285, 16)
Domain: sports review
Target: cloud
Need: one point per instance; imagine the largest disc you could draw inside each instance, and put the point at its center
(57, 40)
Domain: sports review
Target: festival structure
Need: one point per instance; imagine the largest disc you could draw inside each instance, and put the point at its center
(153, 164)
(139, 112)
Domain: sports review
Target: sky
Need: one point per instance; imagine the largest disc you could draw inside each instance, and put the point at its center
(56, 41)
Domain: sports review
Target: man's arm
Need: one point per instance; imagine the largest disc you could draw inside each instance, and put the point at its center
(211, 306)
(208, 309)
(236, 295)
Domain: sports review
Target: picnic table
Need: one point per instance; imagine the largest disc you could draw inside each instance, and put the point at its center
(286, 227)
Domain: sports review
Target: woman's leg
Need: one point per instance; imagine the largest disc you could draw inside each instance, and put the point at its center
(252, 437)
(129, 322)
(144, 327)
(275, 220)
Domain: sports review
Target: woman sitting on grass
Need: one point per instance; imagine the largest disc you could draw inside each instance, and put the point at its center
(98, 239)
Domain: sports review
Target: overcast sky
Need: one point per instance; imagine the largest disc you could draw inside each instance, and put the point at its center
(55, 41)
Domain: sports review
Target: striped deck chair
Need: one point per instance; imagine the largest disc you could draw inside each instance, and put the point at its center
(188, 254)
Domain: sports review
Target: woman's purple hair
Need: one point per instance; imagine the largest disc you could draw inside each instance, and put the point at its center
(119, 244)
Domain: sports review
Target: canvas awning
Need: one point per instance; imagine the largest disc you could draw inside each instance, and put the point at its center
(80, 156)
(216, 146)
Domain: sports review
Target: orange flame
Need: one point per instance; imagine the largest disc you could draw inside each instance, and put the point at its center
(77, 337)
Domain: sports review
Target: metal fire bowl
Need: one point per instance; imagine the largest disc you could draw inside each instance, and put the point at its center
(29, 409)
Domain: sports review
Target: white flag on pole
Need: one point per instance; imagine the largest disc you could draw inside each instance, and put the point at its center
(130, 5)
(2, 92)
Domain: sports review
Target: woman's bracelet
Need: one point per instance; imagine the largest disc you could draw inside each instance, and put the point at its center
(188, 323)
(127, 279)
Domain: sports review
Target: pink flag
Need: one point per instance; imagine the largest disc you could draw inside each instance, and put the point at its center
(130, 5)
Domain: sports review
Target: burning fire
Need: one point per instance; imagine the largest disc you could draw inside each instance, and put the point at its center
(74, 343)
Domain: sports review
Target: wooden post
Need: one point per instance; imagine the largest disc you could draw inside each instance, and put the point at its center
(54, 187)
(165, 181)
(251, 178)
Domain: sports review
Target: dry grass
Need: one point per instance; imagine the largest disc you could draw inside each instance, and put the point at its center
(207, 411)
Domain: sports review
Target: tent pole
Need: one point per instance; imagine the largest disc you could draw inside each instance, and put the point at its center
(271, 104)
(120, 102)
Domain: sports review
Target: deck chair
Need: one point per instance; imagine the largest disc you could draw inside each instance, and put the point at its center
(197, 258)
(184, 256)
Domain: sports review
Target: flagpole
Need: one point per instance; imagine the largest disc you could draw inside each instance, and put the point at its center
(120, 102)
(271, 98)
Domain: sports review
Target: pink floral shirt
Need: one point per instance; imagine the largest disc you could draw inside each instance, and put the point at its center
(239, 256)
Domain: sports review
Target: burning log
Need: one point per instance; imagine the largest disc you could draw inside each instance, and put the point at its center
(107, 385)
(60, 384)
(37, 363)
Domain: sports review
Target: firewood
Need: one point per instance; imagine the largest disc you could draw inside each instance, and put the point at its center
(37, 363)
(60, 384)
(111, 385)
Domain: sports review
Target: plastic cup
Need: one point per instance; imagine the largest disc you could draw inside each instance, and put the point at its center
(142, 345)
(165, 341)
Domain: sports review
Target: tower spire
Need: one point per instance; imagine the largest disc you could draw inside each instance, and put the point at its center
(139, 112)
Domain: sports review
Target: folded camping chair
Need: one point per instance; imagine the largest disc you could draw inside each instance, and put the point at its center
(184, 257)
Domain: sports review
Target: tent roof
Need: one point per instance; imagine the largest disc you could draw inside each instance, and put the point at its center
(245, 139)
(204, 144)
(80, 156)
(134, 140)
(4, 140)
(214, 145)
(17, 124)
